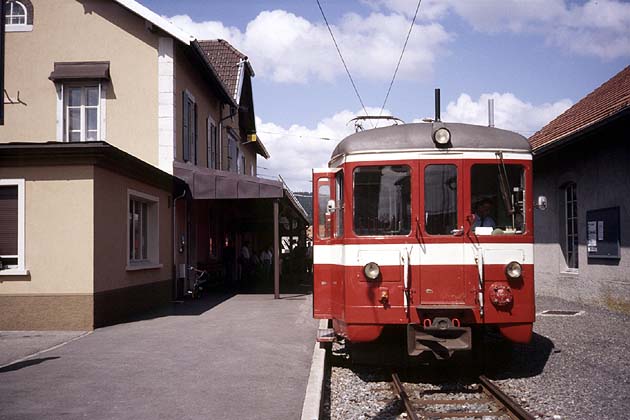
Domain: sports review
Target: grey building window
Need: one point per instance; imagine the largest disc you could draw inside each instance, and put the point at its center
(233, 154)
(571, 225)
(213, 145)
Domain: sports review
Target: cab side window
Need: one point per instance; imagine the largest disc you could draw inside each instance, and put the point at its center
(323, 219)
(339, 205)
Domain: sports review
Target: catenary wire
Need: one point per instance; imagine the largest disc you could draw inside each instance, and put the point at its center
(402, 53)
(342, 59)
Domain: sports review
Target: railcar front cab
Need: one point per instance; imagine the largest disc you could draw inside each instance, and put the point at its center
(441, 242)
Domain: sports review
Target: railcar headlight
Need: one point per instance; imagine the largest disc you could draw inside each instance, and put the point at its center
(513, 270)
(372, 271)
(442, 136)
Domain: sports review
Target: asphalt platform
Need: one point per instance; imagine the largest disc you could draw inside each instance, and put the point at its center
(220, 357)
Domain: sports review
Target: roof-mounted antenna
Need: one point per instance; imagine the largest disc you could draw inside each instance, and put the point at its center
(490, 112)
(437, 105)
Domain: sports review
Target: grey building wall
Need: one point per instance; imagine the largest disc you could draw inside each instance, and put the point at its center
(599, 163)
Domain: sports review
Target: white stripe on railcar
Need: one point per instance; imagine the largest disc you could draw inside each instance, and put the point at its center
(426, 254)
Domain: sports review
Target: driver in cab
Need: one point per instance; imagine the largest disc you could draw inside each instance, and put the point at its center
(483, 213)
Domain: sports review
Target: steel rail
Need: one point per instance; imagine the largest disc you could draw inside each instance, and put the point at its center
(507, 406)
(515, 410)
(402, 394)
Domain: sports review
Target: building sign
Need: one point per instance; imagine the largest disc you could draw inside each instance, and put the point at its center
(602, 227)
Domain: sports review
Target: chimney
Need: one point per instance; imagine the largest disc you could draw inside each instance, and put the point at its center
(490, 112)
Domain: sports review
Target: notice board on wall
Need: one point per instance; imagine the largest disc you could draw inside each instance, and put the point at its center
(602, 230)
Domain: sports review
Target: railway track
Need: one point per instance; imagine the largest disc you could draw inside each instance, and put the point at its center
(484, 401)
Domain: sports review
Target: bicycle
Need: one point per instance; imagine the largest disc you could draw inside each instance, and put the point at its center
(201, 278)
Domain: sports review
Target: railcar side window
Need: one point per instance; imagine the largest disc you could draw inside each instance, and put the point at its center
(497, 197)
(382, 200)
(323, 222)
(440, 199)
(339, 205)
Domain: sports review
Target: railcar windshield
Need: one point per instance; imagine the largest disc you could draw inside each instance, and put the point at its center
(440, 199)
(496, 211)
(382, 200)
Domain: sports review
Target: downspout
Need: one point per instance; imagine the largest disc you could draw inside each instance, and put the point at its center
(175, 247)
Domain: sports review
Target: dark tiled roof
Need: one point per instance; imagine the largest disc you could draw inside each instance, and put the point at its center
(605, 101)
(225, 59)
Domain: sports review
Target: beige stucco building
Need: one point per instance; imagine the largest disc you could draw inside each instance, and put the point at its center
(108, 106)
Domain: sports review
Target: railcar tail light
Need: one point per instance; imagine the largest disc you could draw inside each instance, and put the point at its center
(513, 270)
(442, 136)
(372, 271)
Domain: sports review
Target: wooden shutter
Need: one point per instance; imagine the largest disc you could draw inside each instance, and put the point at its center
(194, 137)
(9, 220)
(185, 127)
(215, 149)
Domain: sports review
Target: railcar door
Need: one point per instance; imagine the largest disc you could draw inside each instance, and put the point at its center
(323, 250)
(441, 234)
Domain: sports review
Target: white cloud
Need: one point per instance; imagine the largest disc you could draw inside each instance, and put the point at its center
(295, 150)
(594, 28)
(285, 47)
(510, 112)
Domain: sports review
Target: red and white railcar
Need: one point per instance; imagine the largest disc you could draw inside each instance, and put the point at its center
(429, 226)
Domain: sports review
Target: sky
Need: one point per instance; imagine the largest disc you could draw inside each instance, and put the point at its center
(535, 58)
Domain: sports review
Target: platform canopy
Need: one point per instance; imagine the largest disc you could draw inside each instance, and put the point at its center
(209, 184)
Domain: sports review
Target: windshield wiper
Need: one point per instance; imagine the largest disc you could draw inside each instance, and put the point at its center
(504, 184)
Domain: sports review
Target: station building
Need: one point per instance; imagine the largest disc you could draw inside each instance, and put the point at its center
(581, 163)
(124, 160)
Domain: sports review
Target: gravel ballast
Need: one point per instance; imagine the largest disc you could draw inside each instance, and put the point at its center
(576, 367)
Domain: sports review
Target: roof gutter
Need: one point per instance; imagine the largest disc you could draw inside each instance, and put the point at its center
(156, 20)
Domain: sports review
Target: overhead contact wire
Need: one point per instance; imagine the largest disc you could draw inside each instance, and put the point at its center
(356, 91)
(402, 53)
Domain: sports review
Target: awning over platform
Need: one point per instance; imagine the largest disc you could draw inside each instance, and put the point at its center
(209, 184)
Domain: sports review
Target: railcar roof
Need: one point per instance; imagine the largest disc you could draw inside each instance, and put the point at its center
(418, 136)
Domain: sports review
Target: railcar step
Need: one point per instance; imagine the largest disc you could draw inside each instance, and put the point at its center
(325, 335)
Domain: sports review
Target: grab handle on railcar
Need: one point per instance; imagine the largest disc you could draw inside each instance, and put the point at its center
(458, 232)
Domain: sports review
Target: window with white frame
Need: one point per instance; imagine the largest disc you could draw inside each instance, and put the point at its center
(233, 153)
(189, 127)
(12, 227)
(213, 144)
(18, 15)
(82, 112)
(571, 226)
(142, 228)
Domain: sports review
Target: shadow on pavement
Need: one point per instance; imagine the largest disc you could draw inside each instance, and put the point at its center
(185, 307)
(26, 363)
(505, 360)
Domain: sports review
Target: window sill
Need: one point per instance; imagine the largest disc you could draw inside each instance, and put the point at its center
(18, 28)
(570, 272)
(14, 272)
(143, 266)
